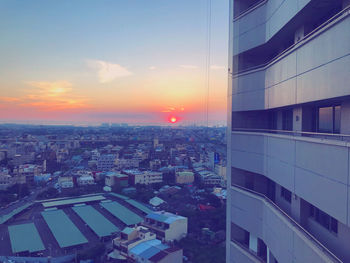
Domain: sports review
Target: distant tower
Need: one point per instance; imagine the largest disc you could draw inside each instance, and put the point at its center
(155, 142)
(44, 166)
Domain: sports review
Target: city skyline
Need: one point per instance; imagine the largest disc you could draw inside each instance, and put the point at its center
(89, 62)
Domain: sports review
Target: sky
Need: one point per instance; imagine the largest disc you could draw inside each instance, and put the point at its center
(95, 61)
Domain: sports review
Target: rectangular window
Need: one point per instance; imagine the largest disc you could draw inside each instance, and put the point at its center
(273, 120)
(324, 219)
(329, 119)
(287, 120)
(337, 119)
(286, 194)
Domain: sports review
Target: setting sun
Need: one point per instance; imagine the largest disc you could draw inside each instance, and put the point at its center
(173, 119)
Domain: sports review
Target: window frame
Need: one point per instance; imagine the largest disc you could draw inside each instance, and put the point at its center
(319, 216)
(286, 194)
(333, 106)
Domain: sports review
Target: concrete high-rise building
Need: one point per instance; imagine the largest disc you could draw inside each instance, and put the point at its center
(289, 131)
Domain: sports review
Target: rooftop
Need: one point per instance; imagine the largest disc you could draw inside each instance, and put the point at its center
(63, 229)
(95, 220)
(122, 213)
(4, 218)
(148, 248)
(128, 230)
(164, 217)
(139, 206)
(74, 201)
(25, 237)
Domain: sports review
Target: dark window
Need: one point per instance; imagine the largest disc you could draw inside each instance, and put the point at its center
(239, 235)
(334, 225)
(273, 120)
(329, 119)
(324, 219)
(286, 194)
(287, 120)
(337, 119)
(262, 249)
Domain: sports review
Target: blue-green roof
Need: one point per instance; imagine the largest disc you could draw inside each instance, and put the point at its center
(139, 206)
(74, 201)
(96, 221)
(122, 213)
(120, 196)
(128, 230)
(25, 237)
(14, 212)
(63, 229)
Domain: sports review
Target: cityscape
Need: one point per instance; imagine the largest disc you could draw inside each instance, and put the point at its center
(113, 192)
(181, 131)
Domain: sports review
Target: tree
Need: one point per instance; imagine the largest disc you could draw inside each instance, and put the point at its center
(93, 253)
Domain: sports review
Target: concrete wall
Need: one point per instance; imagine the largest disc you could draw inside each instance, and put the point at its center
(240, 255)
(316, 170)
(345, 118)
(284, 240)
(261, 24)
(177, 230)
(316, 70)
(337, 243)
(175, 257)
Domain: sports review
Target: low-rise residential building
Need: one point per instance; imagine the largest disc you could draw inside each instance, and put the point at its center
(221, 171)
(66, 182)
(144, 177)
(140, 245)
(106, 162)
(167, 226)
(28, 171)
(6, 181)
(155, 164)
(95, 155)
(85, 180)
(184, 177)
(116, 179)
(156, 201)
(127, 163)
(212, 180)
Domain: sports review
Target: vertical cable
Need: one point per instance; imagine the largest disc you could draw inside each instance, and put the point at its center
(207, 66)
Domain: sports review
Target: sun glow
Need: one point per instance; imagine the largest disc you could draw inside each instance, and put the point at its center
(173, 119)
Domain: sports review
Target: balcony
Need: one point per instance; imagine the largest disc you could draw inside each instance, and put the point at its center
(316, 68)
(258, 24)
(287, 240)
(306, 166)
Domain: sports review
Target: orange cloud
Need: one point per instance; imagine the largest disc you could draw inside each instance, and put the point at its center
(53, 96)
(9, 99)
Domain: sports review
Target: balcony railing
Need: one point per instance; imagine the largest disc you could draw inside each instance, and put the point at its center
(339, 16)
(310, 237)
(319, 135)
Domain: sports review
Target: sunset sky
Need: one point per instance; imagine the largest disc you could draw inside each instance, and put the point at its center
(94, 61)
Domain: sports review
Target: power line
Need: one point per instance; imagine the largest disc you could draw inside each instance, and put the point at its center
(207, 62)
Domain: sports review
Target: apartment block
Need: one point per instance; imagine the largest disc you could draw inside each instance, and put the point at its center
(288, 190)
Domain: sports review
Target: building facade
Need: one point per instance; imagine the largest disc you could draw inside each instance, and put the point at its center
(184, 177)
(106, 162)
(143, 177)
(288, 131)
(139, 245)
(167, 226)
